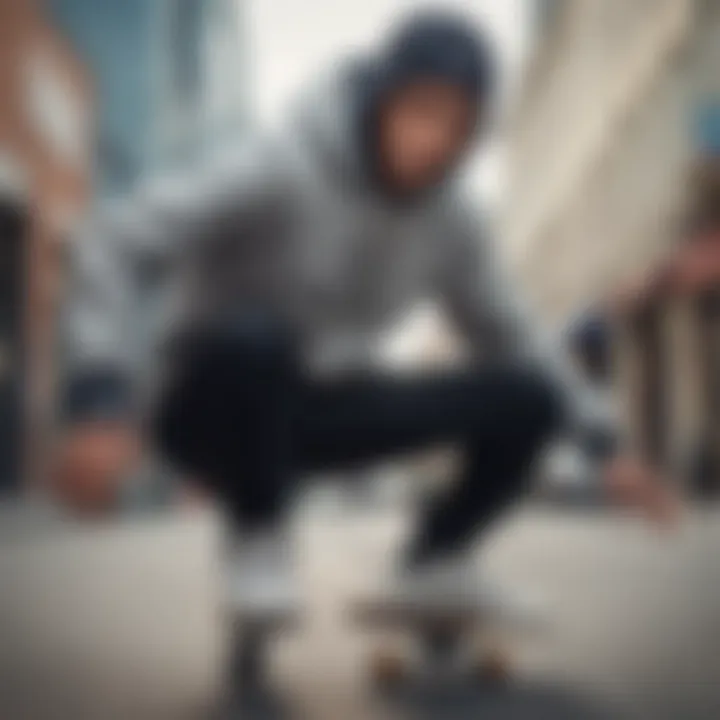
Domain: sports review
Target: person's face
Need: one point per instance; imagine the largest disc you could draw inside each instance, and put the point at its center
(424, 128)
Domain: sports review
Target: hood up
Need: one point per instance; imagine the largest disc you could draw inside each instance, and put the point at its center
(336, 119)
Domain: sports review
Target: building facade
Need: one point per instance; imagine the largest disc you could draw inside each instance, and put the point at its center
(616, 107)
(600, 143)
(170, 79)
(46, 120)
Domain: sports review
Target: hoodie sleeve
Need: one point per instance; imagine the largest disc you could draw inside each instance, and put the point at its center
(118, 253)
(490, 312)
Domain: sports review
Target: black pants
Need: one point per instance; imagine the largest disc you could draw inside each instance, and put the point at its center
(241, 414)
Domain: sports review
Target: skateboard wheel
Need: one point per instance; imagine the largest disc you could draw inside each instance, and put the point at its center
(494, 667)
(388, 669)
(441, 644)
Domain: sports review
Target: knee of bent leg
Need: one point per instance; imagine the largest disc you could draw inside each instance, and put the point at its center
(539, 404)
(230, 364)
(224, 373)
(239, 347)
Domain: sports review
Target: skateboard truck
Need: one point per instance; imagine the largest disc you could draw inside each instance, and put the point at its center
(449, 642)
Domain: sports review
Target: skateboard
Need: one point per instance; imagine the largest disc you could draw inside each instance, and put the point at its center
(451, 640)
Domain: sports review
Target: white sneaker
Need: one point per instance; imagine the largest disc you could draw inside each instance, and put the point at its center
(260, 578)
(455, 583)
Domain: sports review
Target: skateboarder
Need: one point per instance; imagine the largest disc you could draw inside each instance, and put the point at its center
(289, 266)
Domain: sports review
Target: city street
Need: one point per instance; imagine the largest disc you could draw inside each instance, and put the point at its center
(123, 622)
(243, 241)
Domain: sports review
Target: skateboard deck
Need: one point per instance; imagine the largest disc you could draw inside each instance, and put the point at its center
(453, 636)
(463, 611)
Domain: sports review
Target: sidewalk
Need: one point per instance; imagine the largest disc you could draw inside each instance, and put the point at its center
(123, 623)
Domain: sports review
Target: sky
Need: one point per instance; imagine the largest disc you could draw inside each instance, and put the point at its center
(292, 40)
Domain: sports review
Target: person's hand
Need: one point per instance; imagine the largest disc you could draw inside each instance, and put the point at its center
(627, 297)
(632, 484)
(90, 465)
(696, 267)
(636, 294)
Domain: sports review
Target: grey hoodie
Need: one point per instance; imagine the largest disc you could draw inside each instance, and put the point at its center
(293, 224)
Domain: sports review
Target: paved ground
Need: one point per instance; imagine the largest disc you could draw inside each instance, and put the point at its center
(123, 623)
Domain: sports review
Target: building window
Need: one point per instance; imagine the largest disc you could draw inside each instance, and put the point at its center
(54, 110)
(707, 126)
(186, 34)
